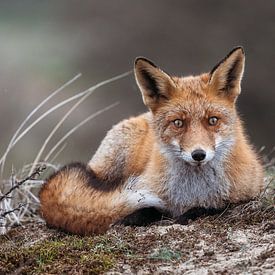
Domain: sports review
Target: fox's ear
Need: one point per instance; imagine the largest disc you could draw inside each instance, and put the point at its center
(156, 86)
(226, 76)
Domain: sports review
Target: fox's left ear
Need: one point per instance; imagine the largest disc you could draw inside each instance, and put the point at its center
(226, 76)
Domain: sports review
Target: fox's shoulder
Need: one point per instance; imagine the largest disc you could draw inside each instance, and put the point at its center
(125, 149)
(137, 124)
(129, 131)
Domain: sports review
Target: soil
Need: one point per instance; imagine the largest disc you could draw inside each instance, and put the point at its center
(241, 240)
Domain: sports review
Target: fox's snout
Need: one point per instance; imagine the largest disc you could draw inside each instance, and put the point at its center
(198, 156)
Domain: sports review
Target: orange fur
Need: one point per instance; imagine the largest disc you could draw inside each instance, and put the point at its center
(149, 160)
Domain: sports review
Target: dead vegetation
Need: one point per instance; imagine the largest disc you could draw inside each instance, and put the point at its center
(18, 193)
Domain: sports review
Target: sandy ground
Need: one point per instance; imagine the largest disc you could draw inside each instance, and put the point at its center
(238, 241)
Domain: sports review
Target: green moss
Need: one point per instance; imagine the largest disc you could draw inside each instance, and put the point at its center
(92, 255)
(165, 254)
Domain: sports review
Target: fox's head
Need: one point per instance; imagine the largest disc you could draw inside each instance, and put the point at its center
(194, 117)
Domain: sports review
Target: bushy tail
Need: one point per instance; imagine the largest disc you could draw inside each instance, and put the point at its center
(73, 200)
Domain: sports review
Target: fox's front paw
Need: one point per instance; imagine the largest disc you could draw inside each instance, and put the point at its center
(142, 217)
(195, 213)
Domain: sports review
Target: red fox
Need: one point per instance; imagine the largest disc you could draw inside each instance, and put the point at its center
(188, 151)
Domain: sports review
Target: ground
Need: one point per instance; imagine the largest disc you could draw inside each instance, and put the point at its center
(240, 240)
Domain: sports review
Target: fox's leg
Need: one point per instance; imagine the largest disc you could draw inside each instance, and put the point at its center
(74, 200)
(143, 217)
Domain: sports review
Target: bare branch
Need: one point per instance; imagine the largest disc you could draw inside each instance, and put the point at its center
(37, 172)
(4, 214)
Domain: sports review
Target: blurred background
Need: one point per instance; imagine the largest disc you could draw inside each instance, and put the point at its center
(43, 44)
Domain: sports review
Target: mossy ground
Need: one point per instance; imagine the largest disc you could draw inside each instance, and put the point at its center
(35, 249)
(239, 240)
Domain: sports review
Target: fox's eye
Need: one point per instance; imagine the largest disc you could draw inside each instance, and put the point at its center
(178, 123)
(213, 120)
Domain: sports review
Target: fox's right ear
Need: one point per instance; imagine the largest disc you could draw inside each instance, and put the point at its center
(155, 85)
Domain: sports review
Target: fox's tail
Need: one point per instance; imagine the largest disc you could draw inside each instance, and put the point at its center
(74, 200)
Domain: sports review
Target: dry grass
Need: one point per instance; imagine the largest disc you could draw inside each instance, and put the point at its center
(18, 194)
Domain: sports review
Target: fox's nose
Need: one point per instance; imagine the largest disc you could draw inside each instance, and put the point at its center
(198, 155)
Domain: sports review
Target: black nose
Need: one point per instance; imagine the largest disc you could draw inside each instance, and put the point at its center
(198, 155)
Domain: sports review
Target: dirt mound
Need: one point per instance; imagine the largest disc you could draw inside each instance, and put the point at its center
(239, 240)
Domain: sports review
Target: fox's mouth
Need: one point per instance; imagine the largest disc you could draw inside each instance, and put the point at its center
(196, 163)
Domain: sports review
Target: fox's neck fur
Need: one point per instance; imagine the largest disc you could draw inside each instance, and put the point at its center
(189, 186)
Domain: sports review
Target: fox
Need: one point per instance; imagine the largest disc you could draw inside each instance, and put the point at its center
(189, 150)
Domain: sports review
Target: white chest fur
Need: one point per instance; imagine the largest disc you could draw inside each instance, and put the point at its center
(189, 186)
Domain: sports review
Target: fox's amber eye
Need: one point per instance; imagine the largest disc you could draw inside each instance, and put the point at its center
(213, 120)
(178, 123)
